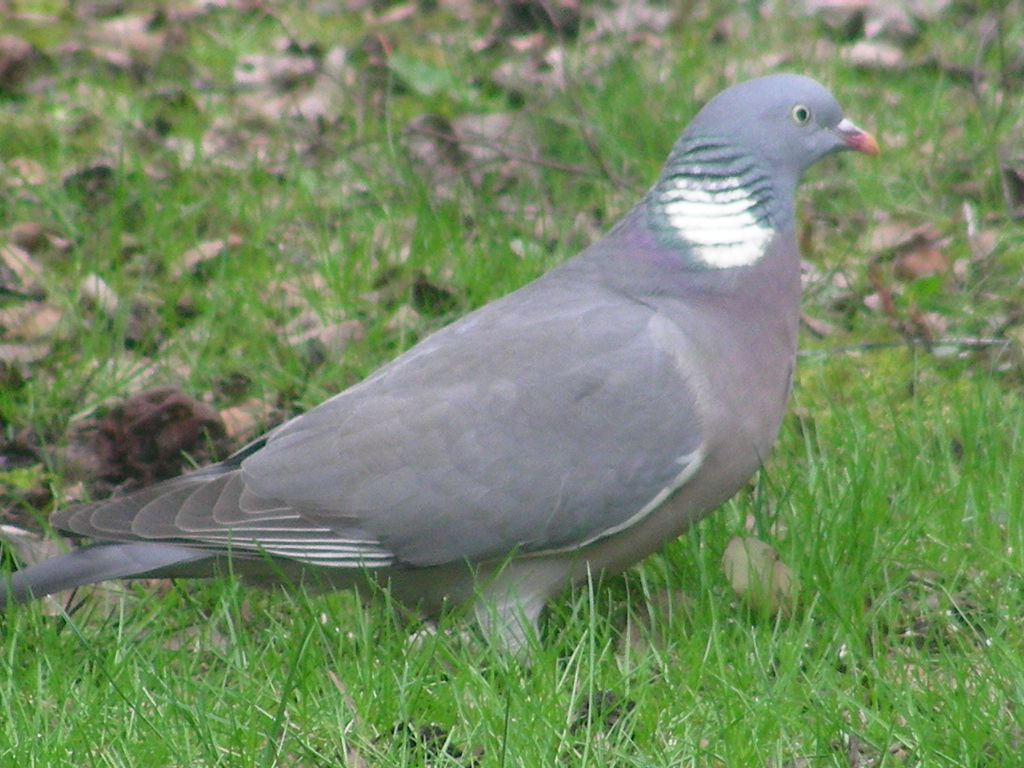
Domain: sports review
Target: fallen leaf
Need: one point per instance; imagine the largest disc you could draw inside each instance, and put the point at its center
(293, 294)
(432, 145)
(19, 273)
(844, 19)
(632, 19)
(875, 302)
(872, 54)
(30, 320)
(421, 76)
(927, 325)
(95, 290)
(817, 327)
(983, 242)
(892, 234)
(242, 421)
(197, 259)
(758, 577)
(917, 252)
(23, 352)
(283, 72)
(405, 318)
(25, 234)
(317, 102)
(398, 13)
(328, 342)
(924, 261)
(124, 42)
(25, 171)
(535, 77)
(487, 137)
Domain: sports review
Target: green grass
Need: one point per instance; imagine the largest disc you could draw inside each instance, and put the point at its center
(894, 494)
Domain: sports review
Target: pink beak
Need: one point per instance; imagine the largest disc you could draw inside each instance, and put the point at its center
(855, 138)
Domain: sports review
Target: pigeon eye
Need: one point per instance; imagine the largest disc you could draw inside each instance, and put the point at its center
(800, 114)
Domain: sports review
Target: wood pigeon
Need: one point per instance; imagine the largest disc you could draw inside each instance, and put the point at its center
(565, 430)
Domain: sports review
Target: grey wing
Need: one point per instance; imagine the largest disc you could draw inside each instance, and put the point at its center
(543, 421)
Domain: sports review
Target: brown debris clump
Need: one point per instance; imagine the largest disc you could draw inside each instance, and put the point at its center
(146, 438)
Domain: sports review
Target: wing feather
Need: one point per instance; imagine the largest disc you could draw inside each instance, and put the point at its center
(549, 418)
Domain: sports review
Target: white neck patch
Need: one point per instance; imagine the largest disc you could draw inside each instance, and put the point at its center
(718, 218)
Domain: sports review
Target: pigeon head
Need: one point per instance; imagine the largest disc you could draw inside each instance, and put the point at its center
(729, 182)
(786, 121)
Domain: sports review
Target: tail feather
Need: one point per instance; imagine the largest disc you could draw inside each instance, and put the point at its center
(99, 562)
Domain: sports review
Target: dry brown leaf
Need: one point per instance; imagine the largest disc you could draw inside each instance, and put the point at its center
(873, 54)
(494, 149)
(318, 102)
(502, 149)
(30, 321)
(397, 13)
(927, 325)
(123, 42)
(196, 259)
(632, 19)
(24, 171)
(293, 294)
(243, 420)
(893, 234)
(843, 18)
(23, 352)
(25, 234)
(916, 251)
(490, 136)
(432, 145)
(926, 260)
(983, 242)
(875, 19)
(758, 577)
(328, 342)
(19, 272)
(539, 76)
(817, 327)
(95, 290)
(874, 302)
(280, 71)
(405, 318)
